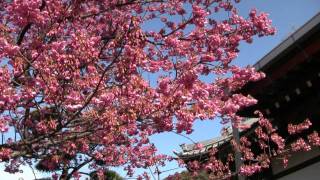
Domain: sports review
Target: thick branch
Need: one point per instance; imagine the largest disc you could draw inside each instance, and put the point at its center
(28, 26)
(78, 168)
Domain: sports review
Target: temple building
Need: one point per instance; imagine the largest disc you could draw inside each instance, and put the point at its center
(290, 93)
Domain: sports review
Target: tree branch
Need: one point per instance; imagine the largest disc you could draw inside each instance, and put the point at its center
(28, 26)
(77, 168)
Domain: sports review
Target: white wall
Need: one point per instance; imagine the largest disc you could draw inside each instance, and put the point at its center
(294, 160)
(311, 172)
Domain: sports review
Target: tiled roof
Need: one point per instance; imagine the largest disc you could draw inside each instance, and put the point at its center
(189, 150)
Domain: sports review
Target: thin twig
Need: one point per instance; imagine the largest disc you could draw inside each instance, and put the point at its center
(34, 174)
(154, 178)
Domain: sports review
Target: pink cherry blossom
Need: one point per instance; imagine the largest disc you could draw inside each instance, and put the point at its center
(75, 79)
(294, 129)
(314, 139)
(300, 145)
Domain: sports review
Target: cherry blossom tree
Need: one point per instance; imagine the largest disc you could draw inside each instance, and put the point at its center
(74, 86)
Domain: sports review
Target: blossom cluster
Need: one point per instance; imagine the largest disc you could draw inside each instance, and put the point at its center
(314, 139)
(300, 145)
(248, 170)
(294, 129)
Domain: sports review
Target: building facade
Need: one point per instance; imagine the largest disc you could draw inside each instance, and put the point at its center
(290, 93)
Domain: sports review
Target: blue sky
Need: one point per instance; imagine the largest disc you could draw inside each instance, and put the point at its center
(287, 16)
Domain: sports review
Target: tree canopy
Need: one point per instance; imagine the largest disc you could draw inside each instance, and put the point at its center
(74, 84)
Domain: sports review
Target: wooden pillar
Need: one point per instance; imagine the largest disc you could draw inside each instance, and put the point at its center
(237, 154)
